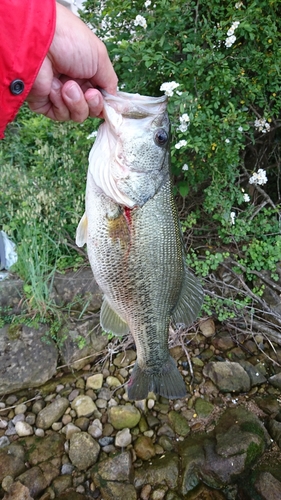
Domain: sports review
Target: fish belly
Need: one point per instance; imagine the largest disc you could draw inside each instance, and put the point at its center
(137, 259)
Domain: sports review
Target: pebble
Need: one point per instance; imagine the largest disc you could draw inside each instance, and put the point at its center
(124, 416)
(4, 441)
(95, 381)
(73, 394)
(84, 406)
(123, 438)
(20, 409)
(69, 430)
(23, 429)
(39, 432)
(113, 381)
(101, 403)
(3, 423)
(95, 429)
(51, 413)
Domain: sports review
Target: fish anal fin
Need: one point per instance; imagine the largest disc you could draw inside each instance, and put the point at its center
(81, 231)
(167, 382)
(190, 300)
(111, 321)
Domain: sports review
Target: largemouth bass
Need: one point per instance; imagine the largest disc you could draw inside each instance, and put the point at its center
(134, 240)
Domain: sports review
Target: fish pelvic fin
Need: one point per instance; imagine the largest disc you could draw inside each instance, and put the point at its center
(166, 382)
(81, 231)
(190, 300)
(111, 322)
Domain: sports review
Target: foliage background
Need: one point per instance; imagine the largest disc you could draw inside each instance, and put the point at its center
(230, 90)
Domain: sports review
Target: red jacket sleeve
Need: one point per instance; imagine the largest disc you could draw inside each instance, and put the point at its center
(26, 33)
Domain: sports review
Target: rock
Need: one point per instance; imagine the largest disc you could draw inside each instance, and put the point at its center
(23, 429)
(118, 468)
(20, 409)
(69, 430)
(239, 431)
(113, 381)
(42, 449)
(123, 438)
(268, 486)
(66, 288)
(144, 448)
(124, 416)
(10, 465)
(163, 471)
(275, 380)
(95, 429)
(124, 359)
(83, 450)
(51, 413)
(93, 342)
(268, 404)
(61, 483)
(274, 428)
(256, 377)
(11, 294)
(178, 423)
(26, 360)
(203, 408)
(118, 491)
(95, 381)
(34, 480)
(18, 492)
(84, 406)
(4, 441)
(228, 376)
(192, 455)
(207, 327)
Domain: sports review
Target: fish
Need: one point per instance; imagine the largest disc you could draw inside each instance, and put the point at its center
(134, 240)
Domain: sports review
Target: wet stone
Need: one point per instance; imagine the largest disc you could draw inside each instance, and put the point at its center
(275, 380)
(144, 448)
(124, 416)
(178, 423)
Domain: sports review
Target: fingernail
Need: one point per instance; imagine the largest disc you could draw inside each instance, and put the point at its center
(56, 84)
(73, 93)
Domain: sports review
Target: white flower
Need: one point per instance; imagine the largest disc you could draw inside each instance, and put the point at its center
(230, 41)
(183, 127)
(246, 197)
(227, 141)
(231, 31)
(169, 87)
(235, 24)
(140, 21)
(180, 144)
(261, 125)
(178, 92)
(147, 3)
(92, 134)
(258, 177)
(240, 129)
(232, 217)
(185, 167)
(184, 118)
(238, 5)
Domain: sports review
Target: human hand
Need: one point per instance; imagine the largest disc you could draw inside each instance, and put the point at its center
(76, 63)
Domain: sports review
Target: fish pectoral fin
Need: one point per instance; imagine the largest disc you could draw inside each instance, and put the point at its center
(111, 322)
(190, 300)
(81, 231)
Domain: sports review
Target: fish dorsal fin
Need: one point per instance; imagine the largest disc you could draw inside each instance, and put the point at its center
(81, 231)
(111, 321)
(190, 300)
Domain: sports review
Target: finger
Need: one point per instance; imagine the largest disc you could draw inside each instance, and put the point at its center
(75, 101)
(105, 77)
(95, 102)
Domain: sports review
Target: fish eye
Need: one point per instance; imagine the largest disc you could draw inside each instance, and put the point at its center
(160, 137)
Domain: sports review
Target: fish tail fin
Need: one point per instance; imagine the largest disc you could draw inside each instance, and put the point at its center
(166, 382)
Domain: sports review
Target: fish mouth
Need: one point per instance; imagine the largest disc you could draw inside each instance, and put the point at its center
(135, 105)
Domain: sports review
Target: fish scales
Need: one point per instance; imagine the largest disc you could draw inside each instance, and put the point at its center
(137, 257)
